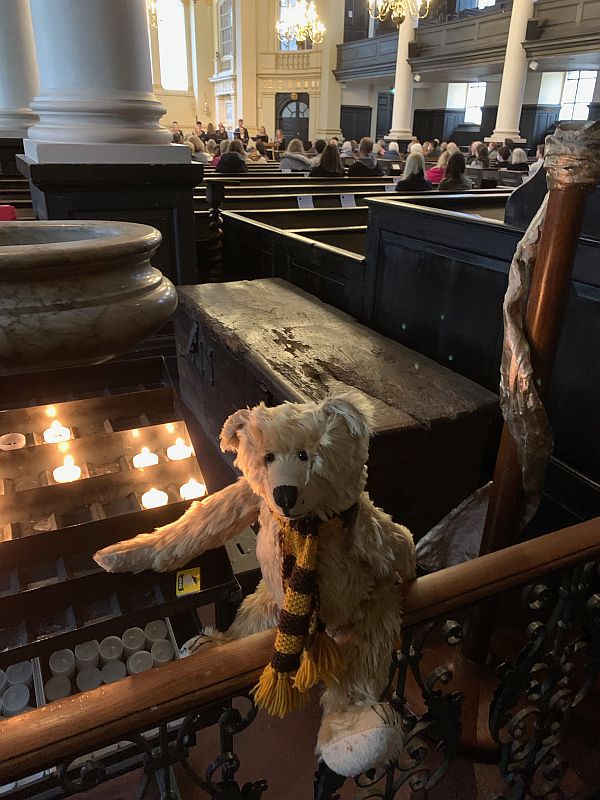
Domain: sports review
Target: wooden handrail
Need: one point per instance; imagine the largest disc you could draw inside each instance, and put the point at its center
(85, 722)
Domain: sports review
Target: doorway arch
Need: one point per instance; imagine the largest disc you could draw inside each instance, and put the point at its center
(293, 112)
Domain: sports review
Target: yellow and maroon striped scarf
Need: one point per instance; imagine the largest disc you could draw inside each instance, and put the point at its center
(304, 653)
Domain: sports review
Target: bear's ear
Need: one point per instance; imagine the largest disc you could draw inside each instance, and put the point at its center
(354, 408)
(229, 432)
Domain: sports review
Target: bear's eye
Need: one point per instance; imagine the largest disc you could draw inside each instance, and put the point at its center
(302, 455)
(269, 458)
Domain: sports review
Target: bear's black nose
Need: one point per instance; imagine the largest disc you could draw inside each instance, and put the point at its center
(285, 497)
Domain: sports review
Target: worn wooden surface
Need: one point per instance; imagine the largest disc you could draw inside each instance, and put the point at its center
(268, 340)
(62, 730)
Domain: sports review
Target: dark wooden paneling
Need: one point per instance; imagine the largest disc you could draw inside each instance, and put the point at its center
(440, 283)
(385, 103)
(9, 148)
(437, 123)
(535, 121)
(355, 121)
(367, 58)
(356, 20)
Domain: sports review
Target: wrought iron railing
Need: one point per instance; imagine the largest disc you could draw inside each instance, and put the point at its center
(549, 588)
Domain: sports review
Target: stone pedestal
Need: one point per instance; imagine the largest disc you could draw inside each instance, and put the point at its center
(160, 195)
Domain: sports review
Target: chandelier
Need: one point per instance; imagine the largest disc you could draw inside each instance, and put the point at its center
(398, 10)
(301, 22)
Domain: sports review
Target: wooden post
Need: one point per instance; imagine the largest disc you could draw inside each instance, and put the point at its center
(573, 171)
(215, 195)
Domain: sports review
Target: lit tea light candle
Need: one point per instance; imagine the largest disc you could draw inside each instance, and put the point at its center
(192, 490)
(145, 459)
(56, 433)
(69, 471)
(178, 451)
(154, 498)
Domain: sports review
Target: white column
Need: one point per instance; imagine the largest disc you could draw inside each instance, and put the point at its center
(402, 111)
(331, 13)
(246, 20)
(19, 80)
(96, 103)
(514, 75)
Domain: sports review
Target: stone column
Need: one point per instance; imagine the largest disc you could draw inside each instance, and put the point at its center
(331, 13)
(402, 112)
(514, 75)
(96, 103)
(246, 21)
(18, 80)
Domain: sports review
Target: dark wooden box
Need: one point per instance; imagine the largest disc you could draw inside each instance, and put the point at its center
(265, 340)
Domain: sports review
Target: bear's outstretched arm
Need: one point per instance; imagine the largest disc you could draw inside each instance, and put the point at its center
(205, 525)
(385, 545)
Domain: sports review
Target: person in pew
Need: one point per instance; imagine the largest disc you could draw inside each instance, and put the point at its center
(518, 160)
(330, 164)
(279, 141)
(199, 130)
(444, 146)
(294, 158)
(493, 148)
(177, 138)
(539, 163)
(211, 147)
(210, 132)
(234, 160)
(483, 157)
(260, 146)
(455, 179)
(427, 148)
(452, 148)
(413, 177)
(435, 175)
(393, 152)
(262, 136)
(199, 150)
(503, 157)
(436, 150)
(253, 156)
(347, 152)
(366, 165)
(221, 134)
(473, 152)
(413, 141)
(220, 152)
(320, 145)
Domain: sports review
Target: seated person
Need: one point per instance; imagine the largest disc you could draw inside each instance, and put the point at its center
(503, 157)
(436, 174)
(260, 146)
(413, 177)
(220, 134)
(294, 158)
(253, 156)
(518, 160)
(199, 150)
(482, 159)
(279, 141)
(220, 152)
(234, 159)
(436, 150)
(393, 152)
(319, 146)
(262, 135)
(366, 164)
(473, 152)
(347, 152)
(455, 180)
(539, 162)
(330, 164)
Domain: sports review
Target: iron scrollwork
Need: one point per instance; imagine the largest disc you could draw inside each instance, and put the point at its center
(550, 676)
(432, 738)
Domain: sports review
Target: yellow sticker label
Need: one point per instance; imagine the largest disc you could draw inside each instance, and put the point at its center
(188, 582)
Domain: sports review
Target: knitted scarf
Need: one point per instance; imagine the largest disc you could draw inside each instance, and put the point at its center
(304, 653)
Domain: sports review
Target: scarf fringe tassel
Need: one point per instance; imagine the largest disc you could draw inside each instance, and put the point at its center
(279, 693)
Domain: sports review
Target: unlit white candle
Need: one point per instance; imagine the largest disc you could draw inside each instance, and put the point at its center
(12, 441)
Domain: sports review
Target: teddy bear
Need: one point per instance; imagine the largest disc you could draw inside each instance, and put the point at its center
(332, 565)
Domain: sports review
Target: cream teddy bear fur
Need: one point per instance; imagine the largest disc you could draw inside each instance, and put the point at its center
(298, 459)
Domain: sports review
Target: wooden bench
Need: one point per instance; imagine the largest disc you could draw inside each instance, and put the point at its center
(245, 342)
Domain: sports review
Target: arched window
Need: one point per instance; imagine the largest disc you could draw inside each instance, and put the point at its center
(172, 45)
(578, 91)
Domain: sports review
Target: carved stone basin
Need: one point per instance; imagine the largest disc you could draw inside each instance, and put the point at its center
(77, 292)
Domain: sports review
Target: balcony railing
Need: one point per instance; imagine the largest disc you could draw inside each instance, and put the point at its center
(545, 672)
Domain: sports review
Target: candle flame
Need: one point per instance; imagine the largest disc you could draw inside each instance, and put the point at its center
(135, 433)
(170, 427)
(179, 442)
(55, 425)
(145, 449)
(63, 447)
(69, 461)
(51, 412)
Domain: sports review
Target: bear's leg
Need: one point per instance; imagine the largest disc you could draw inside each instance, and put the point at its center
(258, 612)
(359, 732)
